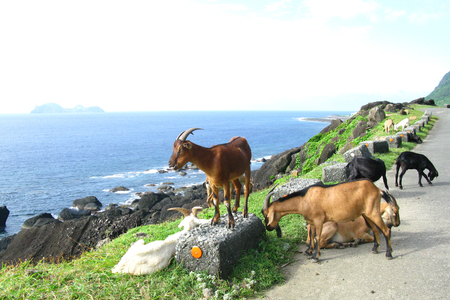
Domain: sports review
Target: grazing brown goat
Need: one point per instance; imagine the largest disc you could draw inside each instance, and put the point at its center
(221, 164)
(388, 124)
(339, 203)
(337, 235)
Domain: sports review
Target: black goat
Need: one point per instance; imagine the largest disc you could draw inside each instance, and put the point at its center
(410, 160)
(366, 167)
(414, 138)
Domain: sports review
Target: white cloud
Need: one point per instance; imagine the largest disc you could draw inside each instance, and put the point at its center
(422, 18)
(393, 15)
(277, 5)
(344, 9)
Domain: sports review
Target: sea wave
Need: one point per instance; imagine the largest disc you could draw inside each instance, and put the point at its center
(125, 175)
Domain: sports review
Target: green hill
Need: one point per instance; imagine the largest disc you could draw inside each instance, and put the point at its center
(441, 94)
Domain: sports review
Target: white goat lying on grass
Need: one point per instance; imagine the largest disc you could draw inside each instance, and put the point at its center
(143, 259)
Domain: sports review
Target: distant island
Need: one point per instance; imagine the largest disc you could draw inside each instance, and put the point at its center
(53, 108)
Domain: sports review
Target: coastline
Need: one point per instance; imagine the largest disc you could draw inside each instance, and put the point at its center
(326, 119)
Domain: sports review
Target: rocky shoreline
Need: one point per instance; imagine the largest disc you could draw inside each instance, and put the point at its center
(86, 226)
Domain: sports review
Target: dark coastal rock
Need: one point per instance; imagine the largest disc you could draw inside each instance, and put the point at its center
(334, 124)
(119, 189)
(69, 239)
(4, 213)
(422, 101)
(376, 114)
(81, 203)
(327, 152)
(277, 164)
(359, 130)
(39, 220)
(4, 242)
(148, 200)
(71, 213)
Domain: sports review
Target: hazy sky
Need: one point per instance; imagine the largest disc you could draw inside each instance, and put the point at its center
(220, 55)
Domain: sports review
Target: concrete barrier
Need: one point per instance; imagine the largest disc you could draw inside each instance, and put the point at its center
(357, 151)
(218, 248)
(394, 141)
(335, 173)
(376, 146)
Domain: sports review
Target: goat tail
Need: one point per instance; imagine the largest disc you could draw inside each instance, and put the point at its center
(386, 195)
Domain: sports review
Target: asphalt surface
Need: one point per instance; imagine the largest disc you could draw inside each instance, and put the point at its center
(420, 268)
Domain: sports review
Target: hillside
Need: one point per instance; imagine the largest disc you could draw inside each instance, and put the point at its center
(441, 94)
(53, 108)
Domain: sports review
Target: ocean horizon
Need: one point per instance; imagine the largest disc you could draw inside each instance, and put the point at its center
(50, 160)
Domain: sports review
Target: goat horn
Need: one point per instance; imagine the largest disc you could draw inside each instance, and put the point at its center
(182, 136)
(184, 211)
(195, 210)
(267, 200)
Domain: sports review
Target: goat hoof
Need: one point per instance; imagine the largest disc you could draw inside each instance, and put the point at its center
(374, 251)
(314, 260)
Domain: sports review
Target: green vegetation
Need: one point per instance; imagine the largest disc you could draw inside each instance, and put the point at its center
(90, 277)
(441, 94)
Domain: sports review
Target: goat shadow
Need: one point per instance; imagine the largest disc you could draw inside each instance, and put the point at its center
(412, 242)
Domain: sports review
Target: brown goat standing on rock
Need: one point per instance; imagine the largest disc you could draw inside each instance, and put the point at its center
(339, 203)
(221, 164)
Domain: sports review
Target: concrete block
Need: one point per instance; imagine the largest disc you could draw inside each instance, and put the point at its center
(411, 129)
(221, 247)
(421, 124)
(376, 146)
(357, 151)
(416, 127)
(335, 173)
(403, 135)
(425, 120)
(394, 141)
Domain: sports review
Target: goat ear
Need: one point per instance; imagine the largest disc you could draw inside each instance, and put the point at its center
(187, 145)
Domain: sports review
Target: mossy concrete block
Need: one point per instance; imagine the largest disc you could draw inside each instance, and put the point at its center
(403, 135)
(421, 124)
(220, 247)
(335, 173)
(361, 150)
(416, 128)
(411, 129)
(394, 141)
(376, 146)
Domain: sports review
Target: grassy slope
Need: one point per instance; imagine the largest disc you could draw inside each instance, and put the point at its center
(90, 277)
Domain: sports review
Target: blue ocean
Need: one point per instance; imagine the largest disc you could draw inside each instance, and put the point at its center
(49, 160)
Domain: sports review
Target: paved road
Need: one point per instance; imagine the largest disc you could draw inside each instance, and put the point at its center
(421, 265)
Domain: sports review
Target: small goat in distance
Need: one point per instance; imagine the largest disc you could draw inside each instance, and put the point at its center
(221, 164)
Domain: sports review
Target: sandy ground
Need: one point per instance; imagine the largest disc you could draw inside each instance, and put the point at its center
(420, 268)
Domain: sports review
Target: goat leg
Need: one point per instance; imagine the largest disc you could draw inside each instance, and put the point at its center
(237, 187)
(215, 219)
(308, 250)
(425, 176)
(231, 223)
(317, 231)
